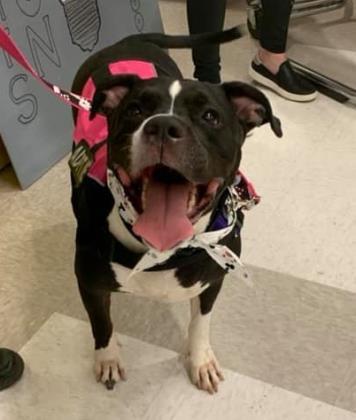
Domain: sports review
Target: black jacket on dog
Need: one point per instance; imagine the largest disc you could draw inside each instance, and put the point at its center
(169, 149)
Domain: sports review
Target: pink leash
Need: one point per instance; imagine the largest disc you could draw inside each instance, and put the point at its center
(7, 44)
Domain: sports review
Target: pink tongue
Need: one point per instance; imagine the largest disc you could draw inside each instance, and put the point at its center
(164, 222)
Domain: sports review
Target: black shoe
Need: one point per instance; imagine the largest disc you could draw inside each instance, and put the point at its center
(286, 82)
(11, 368)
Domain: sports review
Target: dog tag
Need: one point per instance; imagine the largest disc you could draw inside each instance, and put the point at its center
(81, 160)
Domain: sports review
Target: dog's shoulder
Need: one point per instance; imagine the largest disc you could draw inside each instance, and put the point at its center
(91, 202)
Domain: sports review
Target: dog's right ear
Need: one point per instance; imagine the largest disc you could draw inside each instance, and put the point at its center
(251, 106)
(110, 92)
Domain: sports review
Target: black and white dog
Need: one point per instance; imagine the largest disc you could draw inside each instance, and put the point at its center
(156, 207)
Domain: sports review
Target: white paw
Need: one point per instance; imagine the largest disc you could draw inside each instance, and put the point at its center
(205, 371)
(108, 365)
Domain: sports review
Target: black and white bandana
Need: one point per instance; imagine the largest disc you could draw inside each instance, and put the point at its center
(208, 241)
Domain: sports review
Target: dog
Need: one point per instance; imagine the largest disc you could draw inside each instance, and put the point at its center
(155, 193)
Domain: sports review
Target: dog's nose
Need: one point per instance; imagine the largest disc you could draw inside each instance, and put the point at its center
(165, 128)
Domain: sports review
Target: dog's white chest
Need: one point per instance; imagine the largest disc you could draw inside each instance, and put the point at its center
(162, 285)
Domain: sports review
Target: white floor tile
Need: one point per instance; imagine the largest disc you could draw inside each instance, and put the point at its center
(58, 384)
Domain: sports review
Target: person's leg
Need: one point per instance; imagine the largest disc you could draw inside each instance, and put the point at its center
(206, 16)
(274, 32)
(271, 66)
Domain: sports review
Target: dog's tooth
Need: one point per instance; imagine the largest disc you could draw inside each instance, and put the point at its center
(213, 186)
(124, 177)
(192, 200)
(144, 191)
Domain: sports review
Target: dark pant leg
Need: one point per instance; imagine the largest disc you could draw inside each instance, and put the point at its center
(274, 25)
(206, 16)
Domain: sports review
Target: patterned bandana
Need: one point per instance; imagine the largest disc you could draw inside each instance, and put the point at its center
(237, 198)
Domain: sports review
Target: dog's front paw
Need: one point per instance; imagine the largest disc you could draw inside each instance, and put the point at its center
(108, 365)
(205, 371)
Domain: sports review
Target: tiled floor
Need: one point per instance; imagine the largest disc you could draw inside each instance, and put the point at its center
(289, 342)
(58, 384)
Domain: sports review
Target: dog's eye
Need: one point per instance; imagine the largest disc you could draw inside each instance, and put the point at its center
(133, 110)
(212, 117)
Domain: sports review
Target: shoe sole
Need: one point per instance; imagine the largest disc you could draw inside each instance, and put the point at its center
(284, 93)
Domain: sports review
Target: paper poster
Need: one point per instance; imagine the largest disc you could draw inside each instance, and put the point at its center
(56, 36)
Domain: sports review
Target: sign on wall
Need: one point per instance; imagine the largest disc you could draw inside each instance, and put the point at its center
(56, 36)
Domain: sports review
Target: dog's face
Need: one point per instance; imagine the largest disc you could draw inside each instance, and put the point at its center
(175, 145)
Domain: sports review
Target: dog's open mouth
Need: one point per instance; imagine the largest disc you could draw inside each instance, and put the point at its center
(167, 203)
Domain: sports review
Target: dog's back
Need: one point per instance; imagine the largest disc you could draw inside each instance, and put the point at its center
(150, 47)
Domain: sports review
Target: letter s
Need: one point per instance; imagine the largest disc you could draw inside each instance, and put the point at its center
(24, 98)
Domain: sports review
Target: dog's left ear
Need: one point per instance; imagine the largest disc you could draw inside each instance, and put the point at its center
(110, 92)
(251, 106)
